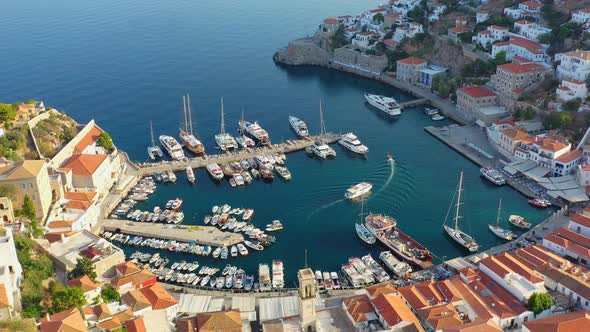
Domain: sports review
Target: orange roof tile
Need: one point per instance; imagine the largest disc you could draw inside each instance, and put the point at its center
(84, 282)
(460, 29)
(515, 134)
(69, 320)
(441, 316)
(135, 300)
(358, 306)
(4, 302)
(134, 279)
(385, 288)
(85, 164)
(580, 54)
(574, 321)
(90, 138)
(78, 205)
(394, 310)
(414, 297)
(519, 68)
(101, 311)
(581, 219)
(570, 156)
(531, 4)
(578, 238)
(477, 91)
(80, 195)
(56, 236)
(61, 224)
(412, 61)
(127, 268)
(569, 245)
(476, 326)
(158, 296)
(135, 325)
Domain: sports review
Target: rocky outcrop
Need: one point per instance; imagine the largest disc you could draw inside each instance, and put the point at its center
(307, 51)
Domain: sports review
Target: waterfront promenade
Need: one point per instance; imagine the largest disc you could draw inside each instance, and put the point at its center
(198, 162)
(202, 235)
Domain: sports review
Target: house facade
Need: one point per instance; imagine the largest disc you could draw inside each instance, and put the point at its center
(471, 99)
(573, 65)
(30, 177)
(570, 89)
(520, 47)
(516, 76)
(408, 69)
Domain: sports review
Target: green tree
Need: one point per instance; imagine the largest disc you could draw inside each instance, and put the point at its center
(83, 267)
(105, 141)
(110, 294)
(8, 190)
(539, 302)
(500, 58)
(571, 105)
(466, 37)
(393, 56)
(7, 113)
(378, 18)
(28, 209)
(558, 120)
(67, 298)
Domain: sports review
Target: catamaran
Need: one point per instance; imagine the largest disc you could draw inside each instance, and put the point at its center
(187, 137)
(225, 141)
(154, 150)
(298, 126)
(319, 147)
(455, 233)
(171, 146)
(352, 143)
(358, 190)
(499, 231)
(387, 105)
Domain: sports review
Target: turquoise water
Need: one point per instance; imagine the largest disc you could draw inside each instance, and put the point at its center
(125, 63)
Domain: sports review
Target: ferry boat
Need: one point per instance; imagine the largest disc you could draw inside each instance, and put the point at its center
(215, 171)
(264, 281)
(384, 228)
(172, 147)
(255, 131)
(386, 105)
(499, 231)
(278, 280)
(190, 174)
(362, 269)
(539, 203)
(455, 233)
(153, 150)
(355, 279)
(298, 126)
(396, 266)
(225, 141)
(519, 222)
(364, 234)
(493, 175)
(374, 267)
(358, 190)
(352, 143)
(186, 136)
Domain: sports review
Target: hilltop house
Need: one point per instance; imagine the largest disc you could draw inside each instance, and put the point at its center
(574, 64)
(530, 30)
(479, 104)
(512, 79)
(408, 69)
(570, 89)
(491, 34)
(522, 47)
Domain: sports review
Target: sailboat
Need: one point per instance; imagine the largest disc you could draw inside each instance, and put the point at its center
(499, 231)
(319, 147)
(186, 136)
(243, 140)
(362, 231)
(154, 150)
(224, 140)
(455, 233)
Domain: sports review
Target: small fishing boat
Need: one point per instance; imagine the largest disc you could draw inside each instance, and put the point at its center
(437, 117)
(190, 174)
(248, 214)
(539, 203)
(234, 251)
(364, 234)
(519, 222)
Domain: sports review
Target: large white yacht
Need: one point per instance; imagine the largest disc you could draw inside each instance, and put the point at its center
(255, 131)
(352, 143)
(298, 126)
(171, 146)
(387, 105)
(224, 140)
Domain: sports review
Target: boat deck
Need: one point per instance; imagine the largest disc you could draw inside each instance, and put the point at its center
(202, 235)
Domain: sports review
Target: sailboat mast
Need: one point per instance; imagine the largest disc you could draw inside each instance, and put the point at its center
(321, 120)
(499, 209)
(190, 117)
(152, 134)
(458, 201)
(222, 125)
(184, 113)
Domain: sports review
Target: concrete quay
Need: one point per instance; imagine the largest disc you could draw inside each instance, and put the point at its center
(202, 235)
(198, 162)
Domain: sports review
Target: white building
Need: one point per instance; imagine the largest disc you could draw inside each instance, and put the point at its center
(11, 274)
(530, 8)
(530, 30)
(574, 64)
(521, 47)
(91, 172)
(571, 88)
(361, 40)
(581, 16)
(482, 16)
(551, 152)
(513, 13)
(491, 34)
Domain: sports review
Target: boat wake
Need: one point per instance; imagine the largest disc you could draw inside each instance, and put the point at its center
(388, 181)
(325, 206)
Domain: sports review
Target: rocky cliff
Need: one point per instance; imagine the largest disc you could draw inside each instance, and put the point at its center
(306, 51)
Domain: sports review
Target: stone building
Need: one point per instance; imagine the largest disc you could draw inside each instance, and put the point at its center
(479, 104)
(408, 69)
(30, 177)
(512, 79)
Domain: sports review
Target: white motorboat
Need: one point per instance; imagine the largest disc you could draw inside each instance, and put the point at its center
(493, 175)
(264, 281)
(225, 141)
(172, 147)
(248, 214)
(358, 190)
(398, 267)
(186, 136)
(215, 171)
(245, 141)
(322, 150)
(352, 143)
(283, 172)
(278, 280)
(437, 117)
(430, 111)
(298, 126)
(519, 222)
(255, 131)
(190, 174)
(387, 105)
(455, 233)
(499, 231)
(154, 150)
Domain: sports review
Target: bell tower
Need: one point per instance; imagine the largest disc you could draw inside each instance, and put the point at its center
(307, 294)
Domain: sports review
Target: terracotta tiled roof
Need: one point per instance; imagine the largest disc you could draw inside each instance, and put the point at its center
(330, 20)
(4, 302)
(460, 29)
(126, 268)
(574, 81)
(529, 45)
(468, 273)
(61, 224)
(497, 27)
(394, 310)
(570, 156)
(389, 42)
(80, 195)
(476, 326)
(84, 282)
(537, 254)
(441, 316)
(90, 138)
(158, 296)
(133, 279)
(412, 61)
(116, 321)
(378, 10)
(531, 4)
(414, 297)
(581, 219)
(575, 321)
(22, 170)
(523, 22)
(578, 238)
(393, 15)
(56, 236)
(78, 205)
(135, 325)
(385, 288)
(66, 321)
(515, 134)
(357, 307)
(507, 122)
(519, 68)
(552, 144)
(477, 91)
(505, 263)
(85, 164)
(568, 245)
(135, 300)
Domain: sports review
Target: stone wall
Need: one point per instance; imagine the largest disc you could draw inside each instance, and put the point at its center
(348, 56)
(303, 52)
